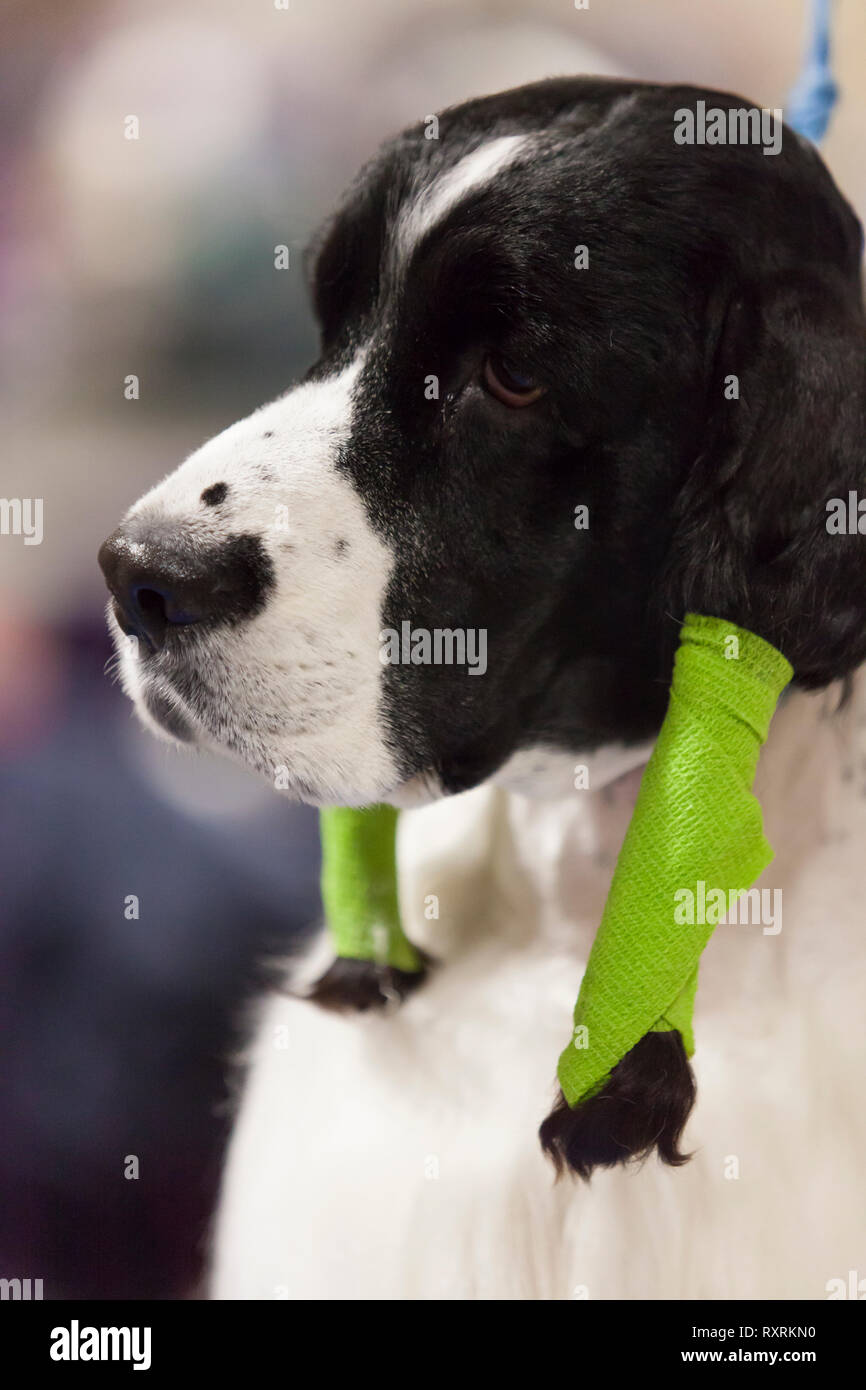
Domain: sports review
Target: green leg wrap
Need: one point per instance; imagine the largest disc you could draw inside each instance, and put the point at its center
(359, 886)
(696, 833)
(695, 822)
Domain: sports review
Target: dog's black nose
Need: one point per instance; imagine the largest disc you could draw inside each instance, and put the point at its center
(154, 588)
(159, 583)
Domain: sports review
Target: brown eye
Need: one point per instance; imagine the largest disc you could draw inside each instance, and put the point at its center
(508, 384)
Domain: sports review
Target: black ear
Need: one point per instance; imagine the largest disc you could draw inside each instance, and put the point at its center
(753, 538)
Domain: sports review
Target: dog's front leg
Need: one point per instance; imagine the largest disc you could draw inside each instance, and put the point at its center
(376, 964)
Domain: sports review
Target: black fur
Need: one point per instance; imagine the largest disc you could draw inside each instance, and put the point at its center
(358, 985)
(644, 1106)
(704, 261)
(216, 493)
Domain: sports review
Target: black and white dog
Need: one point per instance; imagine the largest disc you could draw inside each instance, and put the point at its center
(576, 378)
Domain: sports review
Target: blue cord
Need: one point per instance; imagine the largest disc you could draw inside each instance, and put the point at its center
(811, 102)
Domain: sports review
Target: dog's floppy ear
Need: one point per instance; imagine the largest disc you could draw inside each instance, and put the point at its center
(763, 523)
(785, 436)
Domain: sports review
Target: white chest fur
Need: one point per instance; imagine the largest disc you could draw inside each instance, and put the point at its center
(396, 1157)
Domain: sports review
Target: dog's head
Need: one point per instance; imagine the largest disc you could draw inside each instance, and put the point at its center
(575, 378)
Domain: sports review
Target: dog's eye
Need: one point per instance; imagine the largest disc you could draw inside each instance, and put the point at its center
(508, 384)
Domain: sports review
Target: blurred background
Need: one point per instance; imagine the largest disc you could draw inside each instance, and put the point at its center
(153, 257)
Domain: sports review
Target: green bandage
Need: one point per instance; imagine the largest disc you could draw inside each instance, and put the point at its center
(359, 886)
(695, 822)
(696, 825)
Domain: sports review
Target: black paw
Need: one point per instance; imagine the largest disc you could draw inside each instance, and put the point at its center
(364, 984)
(644, 1106)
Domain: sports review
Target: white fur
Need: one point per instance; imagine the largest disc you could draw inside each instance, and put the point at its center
(540, 772)
(438, 198)
(298, 685)
(546, 773)
(396, 1157)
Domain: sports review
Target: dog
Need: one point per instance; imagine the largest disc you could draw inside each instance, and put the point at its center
(577, 377)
